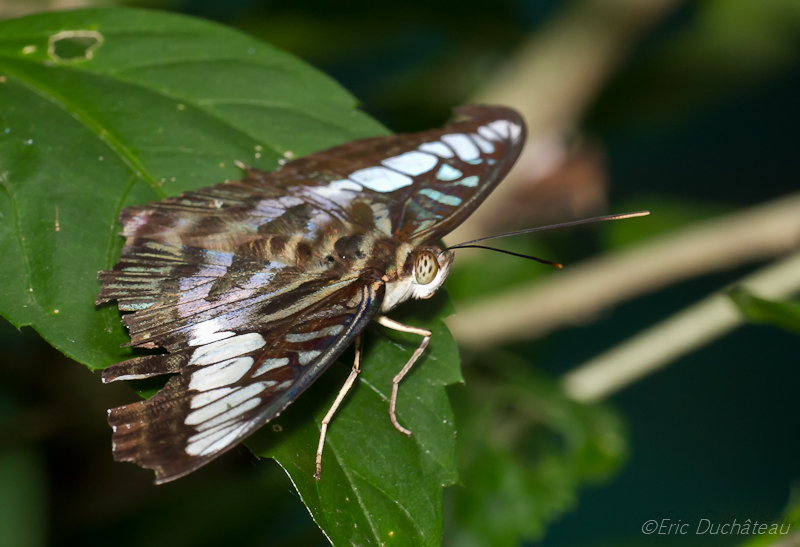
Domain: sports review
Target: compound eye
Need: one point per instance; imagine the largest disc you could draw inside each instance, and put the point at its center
(426, 267)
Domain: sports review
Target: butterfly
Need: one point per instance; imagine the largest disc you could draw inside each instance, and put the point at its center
(254, 287)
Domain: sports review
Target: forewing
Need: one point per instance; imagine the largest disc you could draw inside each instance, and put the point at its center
(228, 388)
(255, 216)
(418, 186)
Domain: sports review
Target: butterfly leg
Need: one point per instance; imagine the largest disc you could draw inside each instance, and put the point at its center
(426, 334)
(329, 416)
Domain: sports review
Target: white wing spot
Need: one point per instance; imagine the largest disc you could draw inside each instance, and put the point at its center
(306, 357)
(471, 182)
(128, 377)
(381, 179)
(202, 399)
(440, 197)
(500, 127)
(206, 332)
(271, 364)
(225, 349)
(284, 385)
(337, 188)
(211, 431)
(306, 336)
(214, 442)
(412, 163)
(233, 401)
(212, 434)
(223, 442)
(221, 374)
(463, 145)
(485, 132)
(436, 147)
(485, 146)
(229, 415)
(447, 172)
(506, 129)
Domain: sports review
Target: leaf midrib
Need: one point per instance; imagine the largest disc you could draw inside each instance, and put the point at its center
(89, 122)
(356, 493)
(31, 296)
(342, 464)
(400, 413)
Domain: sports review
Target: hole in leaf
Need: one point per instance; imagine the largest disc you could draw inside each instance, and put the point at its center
(71, 46)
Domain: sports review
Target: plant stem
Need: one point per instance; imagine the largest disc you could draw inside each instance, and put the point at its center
(682, 333)
(579, 293)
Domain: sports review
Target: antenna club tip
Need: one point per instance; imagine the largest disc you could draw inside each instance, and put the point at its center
(559, 266)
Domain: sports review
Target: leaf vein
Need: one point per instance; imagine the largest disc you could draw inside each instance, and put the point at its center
(4, 183)
(150, 179)
(391, 498)
(123, 152)
(186, 60)
(112, 256)
(442, 464)
(357, 494)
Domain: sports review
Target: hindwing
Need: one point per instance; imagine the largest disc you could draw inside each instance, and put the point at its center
(228, 388)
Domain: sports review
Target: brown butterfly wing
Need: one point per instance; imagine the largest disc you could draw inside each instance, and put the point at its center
(243, 275)
(416, 187)
(227, 389)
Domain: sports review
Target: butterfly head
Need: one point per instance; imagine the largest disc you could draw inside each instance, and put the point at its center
(425, 270)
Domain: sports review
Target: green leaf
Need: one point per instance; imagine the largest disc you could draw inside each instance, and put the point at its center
(772, 312)
(108, 108)
(524, 450)
(378, 486)
(779, 531)
(154, 105)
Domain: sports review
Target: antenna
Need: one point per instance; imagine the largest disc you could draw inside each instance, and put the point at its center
(553, 226)
(540, 260)
(471, 244)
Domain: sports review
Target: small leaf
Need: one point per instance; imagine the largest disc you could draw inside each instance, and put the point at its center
(772, 312)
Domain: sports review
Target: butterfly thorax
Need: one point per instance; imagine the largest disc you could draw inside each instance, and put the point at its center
(360, 255)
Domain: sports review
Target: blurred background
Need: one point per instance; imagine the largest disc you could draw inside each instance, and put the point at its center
(598, 397)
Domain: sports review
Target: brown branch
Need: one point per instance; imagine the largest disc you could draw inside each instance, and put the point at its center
(682, 333)
(578, 294)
